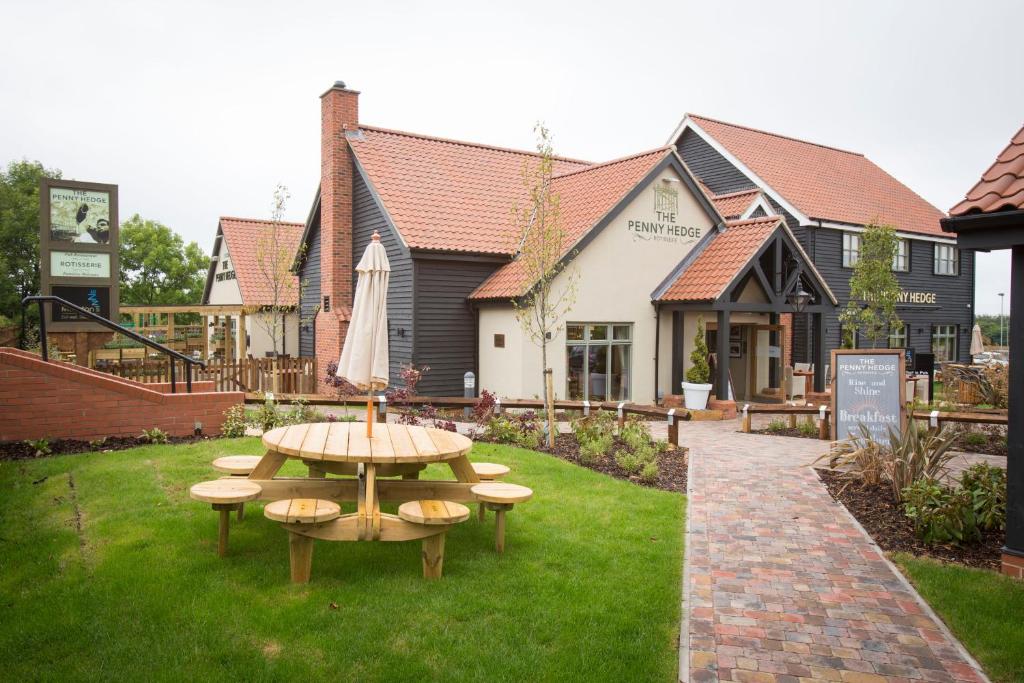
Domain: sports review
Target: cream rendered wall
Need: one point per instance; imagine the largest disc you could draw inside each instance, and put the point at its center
(618, 271)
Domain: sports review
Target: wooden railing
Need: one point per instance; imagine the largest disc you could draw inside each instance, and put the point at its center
(294, 375)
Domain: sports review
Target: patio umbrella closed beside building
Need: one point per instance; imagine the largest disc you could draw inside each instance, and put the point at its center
(364, 356)
(977, 344)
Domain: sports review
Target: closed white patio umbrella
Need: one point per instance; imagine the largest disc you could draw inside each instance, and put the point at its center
(364, 356)
(977, 344)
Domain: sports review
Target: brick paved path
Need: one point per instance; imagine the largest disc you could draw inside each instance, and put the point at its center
(783, 585)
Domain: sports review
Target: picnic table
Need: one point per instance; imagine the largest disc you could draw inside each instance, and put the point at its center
(342, 448)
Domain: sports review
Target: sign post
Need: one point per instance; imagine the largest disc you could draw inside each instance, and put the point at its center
(869, 389)
(78, 242)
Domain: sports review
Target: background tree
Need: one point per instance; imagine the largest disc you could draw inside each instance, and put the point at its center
(542, 244)
(990, 328)
(19, 232)
(157, 267)
(874, 290)
(274, 260)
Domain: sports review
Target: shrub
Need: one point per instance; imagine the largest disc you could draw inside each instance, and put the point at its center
(154, 435)
(521, 430)
(234, 422)
(634, 432)
(267, 416)
(597, 425)
(699, 371)
(40, 447)
(591, 450)
(808, 428)
(940, 513)
(301, 413)
(987, 487)
(975, 439)
(629, 462)
(649, 474)
(777, 425)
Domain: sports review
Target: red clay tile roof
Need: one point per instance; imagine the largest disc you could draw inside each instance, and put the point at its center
(243, 236)
(711, 272)
(824, 182)
(733, 204)
(585, 197)
(1001, 187)
(444, 194)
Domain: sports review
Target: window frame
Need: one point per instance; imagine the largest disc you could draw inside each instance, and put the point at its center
(953, 259)
(848, 254)
(609, 341)
(902, 334)
(946, 336)
(901, 241)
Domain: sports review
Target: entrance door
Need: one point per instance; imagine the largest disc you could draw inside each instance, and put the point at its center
(765, 364)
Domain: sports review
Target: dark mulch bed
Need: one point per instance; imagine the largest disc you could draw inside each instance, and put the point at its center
(671, 463)
(788, 431)
(873, 507)
(994, 444)
(19, 450)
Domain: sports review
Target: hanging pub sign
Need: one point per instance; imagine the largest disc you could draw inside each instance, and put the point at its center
(868, 390)
(78, 242)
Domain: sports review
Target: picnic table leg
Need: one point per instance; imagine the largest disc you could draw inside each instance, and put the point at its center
(482, 512)
(433, 556)
(463, 470)
(269, 465)
(499, 526)
(222, 526)
(300, 557)
(241, 511)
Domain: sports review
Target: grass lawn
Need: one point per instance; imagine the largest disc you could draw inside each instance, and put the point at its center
(107, 568)
(984, 609)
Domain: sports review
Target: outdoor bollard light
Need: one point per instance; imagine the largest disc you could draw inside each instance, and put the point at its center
(468, 391)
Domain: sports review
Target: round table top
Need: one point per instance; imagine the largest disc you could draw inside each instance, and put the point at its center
(347, 442)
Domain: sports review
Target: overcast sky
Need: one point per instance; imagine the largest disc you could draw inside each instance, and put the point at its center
(198, 109)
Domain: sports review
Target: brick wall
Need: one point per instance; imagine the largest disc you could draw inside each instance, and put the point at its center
(60, 400)
(339, 112)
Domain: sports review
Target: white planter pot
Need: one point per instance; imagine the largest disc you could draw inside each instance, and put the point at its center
(695, 396)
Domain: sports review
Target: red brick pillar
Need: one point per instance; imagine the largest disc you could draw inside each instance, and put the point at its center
(786, 320)
(339, 110)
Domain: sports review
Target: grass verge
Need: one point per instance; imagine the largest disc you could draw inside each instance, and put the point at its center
(108, 569)
(984, 609)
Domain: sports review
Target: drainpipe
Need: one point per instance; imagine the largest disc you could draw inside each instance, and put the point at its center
(657, 347)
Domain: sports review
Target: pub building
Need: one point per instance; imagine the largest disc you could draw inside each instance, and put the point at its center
(731, 225)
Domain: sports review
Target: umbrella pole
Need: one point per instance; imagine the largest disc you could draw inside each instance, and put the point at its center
(369, 413)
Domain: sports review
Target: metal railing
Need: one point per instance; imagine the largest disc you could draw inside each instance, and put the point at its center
(111, 325)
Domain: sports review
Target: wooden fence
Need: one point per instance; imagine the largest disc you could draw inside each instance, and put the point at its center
(294, 375)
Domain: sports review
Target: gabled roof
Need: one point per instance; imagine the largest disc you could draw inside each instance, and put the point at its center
(817, 181)
(242, 236)
(1001, 187)
(733, 204)
(586, 196)
(447, 195)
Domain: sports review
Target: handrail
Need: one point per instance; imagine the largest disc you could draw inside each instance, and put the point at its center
(111, 325)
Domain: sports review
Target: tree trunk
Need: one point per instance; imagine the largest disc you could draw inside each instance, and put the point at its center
(549, 397)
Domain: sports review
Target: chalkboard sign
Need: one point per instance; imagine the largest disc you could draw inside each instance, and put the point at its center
(869, 389)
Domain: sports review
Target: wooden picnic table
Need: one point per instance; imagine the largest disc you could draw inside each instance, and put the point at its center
(342, 448)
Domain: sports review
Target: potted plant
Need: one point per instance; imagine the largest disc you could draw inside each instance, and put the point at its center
(696, 388)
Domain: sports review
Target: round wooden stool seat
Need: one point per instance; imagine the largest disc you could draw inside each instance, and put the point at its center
(226, 491)
(433, 512)
(489, 470)
(236, 465)
(501, 492)
(302, 511)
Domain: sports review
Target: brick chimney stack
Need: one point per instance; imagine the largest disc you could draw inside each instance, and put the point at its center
(339, 111)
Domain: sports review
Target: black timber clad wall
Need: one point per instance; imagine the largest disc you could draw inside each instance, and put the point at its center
(954, 295)
(367, 216)
(309, 288)
(445, 325)
(711, 167)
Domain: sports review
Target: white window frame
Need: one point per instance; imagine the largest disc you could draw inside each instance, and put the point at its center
(947, 260)
(942, 334)
(851, 249)
(901, 256)
(900, 334)
(609, 342)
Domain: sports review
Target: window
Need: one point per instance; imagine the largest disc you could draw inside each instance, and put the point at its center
(901, 257)
(944, 343)
(898, 338)
(947, 260)
(851, 249)
(598, 361)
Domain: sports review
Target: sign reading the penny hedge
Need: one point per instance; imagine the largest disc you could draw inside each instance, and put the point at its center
(78, 241)
(868, 390)
(79, 264)
(663, 225)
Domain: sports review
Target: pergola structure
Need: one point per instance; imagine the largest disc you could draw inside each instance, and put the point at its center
(992, 217)
(215, 315)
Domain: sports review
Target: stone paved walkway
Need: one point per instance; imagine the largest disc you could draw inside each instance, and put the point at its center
(782, 585)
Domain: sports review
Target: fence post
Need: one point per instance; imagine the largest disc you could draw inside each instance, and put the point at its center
(673, 427)
(745, 428)
(823, 426)
(468, 391)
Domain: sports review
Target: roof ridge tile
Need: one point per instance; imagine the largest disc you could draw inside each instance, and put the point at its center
(775, 135)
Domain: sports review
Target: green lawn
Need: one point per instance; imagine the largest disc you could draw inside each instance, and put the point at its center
(984, 609)
(588, 588)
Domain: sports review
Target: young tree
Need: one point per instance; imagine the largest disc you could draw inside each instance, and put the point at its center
(542, 245)
(874, 290)
(274, 260)
(157, 267)
(700, 371)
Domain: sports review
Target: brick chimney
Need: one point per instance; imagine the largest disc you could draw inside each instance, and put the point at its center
(339, 111)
